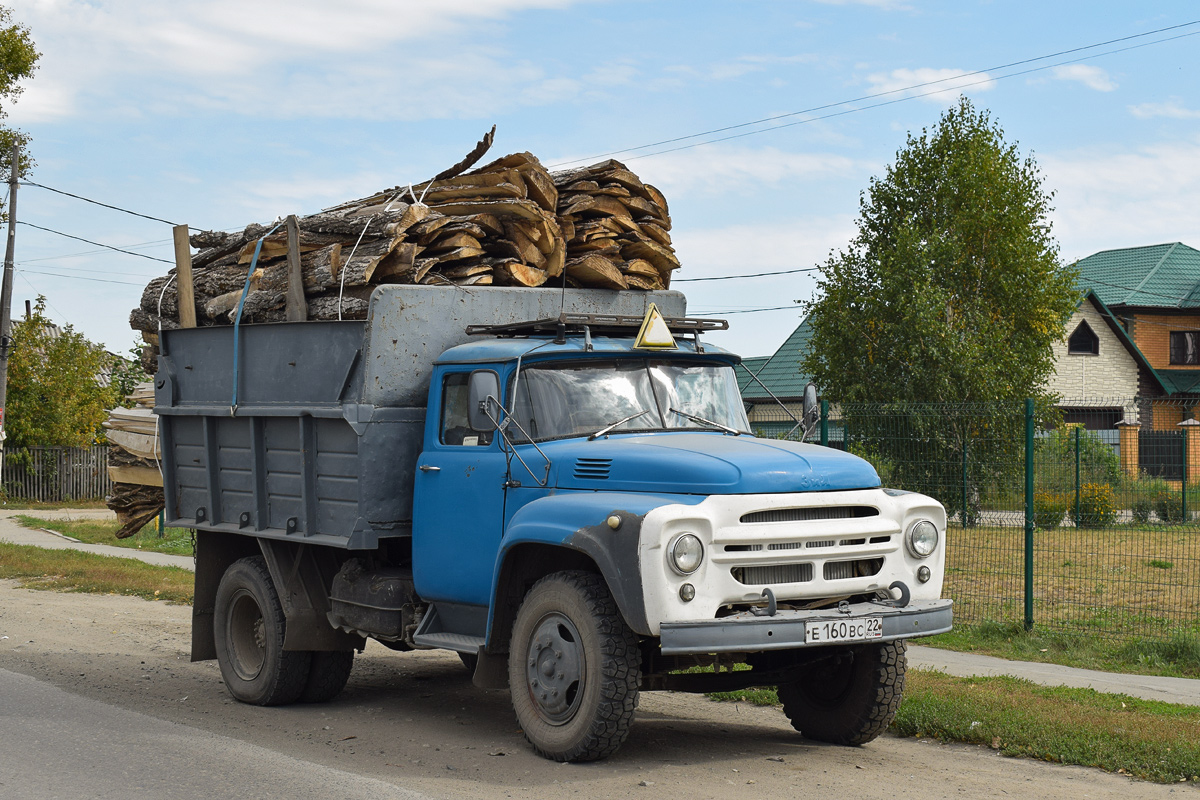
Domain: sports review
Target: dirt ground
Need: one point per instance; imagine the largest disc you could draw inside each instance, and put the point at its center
(414, 720)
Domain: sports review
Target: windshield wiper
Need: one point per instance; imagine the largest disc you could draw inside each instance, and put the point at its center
(708, 422)
(616, 424)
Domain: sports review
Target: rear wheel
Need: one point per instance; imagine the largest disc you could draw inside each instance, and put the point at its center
(248, 628)
(849, 699)
(328, 675)
(574, 668)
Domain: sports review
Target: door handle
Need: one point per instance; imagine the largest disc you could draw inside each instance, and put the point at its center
(428, 468)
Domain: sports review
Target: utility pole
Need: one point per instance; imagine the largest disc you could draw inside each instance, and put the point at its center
(6, 290)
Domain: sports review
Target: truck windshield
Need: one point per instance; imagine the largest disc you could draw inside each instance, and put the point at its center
(579, 399)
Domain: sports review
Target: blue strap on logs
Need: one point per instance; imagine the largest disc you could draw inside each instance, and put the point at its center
(237, 322)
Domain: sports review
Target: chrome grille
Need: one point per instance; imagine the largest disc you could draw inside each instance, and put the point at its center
(810, 514)
(779, 573)
(859, 568)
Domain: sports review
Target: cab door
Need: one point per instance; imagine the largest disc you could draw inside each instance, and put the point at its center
(458, 501)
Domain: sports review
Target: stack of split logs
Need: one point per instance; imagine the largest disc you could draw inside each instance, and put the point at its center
(133, 462)
(509, 223)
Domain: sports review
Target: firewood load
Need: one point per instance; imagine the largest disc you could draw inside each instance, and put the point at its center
(617, 228)
(508, 223)
(133, 462)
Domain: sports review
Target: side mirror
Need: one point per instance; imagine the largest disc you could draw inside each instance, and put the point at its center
(812, 408)
(483, 389)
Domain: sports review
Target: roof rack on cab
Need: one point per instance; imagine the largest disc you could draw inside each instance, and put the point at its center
(597, 325)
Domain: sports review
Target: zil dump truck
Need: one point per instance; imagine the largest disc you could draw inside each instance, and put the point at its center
(561, 487)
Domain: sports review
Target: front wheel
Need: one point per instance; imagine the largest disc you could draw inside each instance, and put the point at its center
(248, 627)
(850, 698)
(574, 668)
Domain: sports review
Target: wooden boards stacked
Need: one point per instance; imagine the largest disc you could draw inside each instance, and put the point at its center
(507, 223)
(617, 228)
(133, 462)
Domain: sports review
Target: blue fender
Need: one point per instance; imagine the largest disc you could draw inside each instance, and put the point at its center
(578, 522)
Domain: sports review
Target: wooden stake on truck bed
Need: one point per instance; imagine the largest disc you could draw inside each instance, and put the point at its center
(183, 277)
(297, 306)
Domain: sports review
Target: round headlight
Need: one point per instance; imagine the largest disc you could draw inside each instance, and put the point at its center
(922, 538)
(686, 554)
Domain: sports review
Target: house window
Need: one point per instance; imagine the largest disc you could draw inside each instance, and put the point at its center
(1185, 347)
(1084, 342)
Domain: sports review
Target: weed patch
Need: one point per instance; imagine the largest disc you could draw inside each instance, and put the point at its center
(75, 571)
(1146, 739)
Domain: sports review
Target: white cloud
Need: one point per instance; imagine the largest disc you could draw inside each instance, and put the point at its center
(737, 67)
(722, 169)
(43, 100)
(1124, 198)
(936, 85)
(364, 58)
(1172, 109)
(1091, 77)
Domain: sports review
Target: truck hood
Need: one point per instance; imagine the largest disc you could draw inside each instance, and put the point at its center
(704, 463)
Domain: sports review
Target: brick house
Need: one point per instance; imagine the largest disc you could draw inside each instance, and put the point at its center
(1152, 295)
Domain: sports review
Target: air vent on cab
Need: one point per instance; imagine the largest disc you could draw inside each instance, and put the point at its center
(595, 469)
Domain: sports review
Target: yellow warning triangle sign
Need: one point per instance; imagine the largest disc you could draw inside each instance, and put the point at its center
(654, 335)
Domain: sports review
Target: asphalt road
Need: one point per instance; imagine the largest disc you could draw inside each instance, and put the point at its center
(99, 699)
(61, 745)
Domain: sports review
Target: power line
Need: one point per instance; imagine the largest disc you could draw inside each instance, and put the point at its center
(752, 275)
(157, 243)
(39, 294)
(887, 93)
(77, 277)
(97, 202)
(97, 244)
(755, 310)
(25, 265)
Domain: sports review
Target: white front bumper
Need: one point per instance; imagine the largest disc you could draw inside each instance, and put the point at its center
(792, 544)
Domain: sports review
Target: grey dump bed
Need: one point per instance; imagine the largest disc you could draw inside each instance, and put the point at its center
(311, 430)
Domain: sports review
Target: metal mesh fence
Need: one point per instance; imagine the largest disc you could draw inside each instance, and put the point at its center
(1113, 516)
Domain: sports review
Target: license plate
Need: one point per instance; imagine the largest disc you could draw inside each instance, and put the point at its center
(843, 630)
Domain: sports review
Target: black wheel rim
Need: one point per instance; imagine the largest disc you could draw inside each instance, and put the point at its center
(246, 636)
(555, 669)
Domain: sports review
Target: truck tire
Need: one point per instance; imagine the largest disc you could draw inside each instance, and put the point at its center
(574, 668)
(850, 700)
(248, 628)
(327, 676)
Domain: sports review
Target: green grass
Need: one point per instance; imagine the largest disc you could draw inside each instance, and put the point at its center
(175, 541)
(1175, 656)
(1151, 740)
(76, 571)
(13, 504)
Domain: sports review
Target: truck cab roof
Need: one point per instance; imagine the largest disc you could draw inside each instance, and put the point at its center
(503, 350)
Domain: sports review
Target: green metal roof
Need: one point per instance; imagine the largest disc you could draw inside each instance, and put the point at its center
(1158, 276)
(1176, 381)
(754, 364)
(782, 373)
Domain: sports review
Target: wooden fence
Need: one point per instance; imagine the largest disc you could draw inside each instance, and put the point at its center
(56, 474)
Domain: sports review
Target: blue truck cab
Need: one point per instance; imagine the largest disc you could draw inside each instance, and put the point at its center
(505, 473)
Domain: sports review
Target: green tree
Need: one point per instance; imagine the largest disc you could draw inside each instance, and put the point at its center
(57, 395)
(951, 292)
(18, 61)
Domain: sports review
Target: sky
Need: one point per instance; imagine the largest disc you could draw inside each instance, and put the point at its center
(217, 114)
